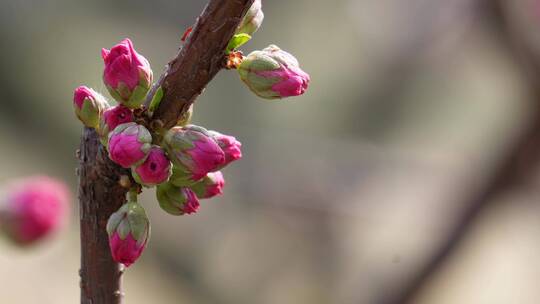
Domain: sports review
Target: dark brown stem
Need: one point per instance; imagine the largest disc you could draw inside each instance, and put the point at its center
(199, 60)
(100, 192)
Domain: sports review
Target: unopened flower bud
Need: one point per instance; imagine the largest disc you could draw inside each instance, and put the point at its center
(192, 148)
(273, 73)
(113, 117)
(34, 208)
(89, 105)
(252, 20)
(211, 185)
(129, 144)
(230, 146)
(129, 230)
(127, 74)
(155, 170)
(176, 200)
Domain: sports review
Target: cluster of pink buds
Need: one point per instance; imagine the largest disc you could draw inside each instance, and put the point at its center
(184, 163)
(33, 208)
(197, 156)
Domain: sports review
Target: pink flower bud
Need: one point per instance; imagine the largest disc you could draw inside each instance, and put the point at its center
(177, 200)
(273, 73)
(127, 74)
(129, 144)
(210, 186)
(155, 170)
(129, 230)
(193, 149)
(89, 105)
(230, 146)
(113, 117)
(35, 207)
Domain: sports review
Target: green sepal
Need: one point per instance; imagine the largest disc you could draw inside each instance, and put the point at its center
(114, 94)
(115, 219)
(170, 198)
(137, 97)
(156, 99)
(181, 177)
(91, 110)
(123, 229)
(130, 218)
(104, 140)
(138, 221)
(199, 129)
(175, 139)
(199, 188)
(89, 114)
(237, 41)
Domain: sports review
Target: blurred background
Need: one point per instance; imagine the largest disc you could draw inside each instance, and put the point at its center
(408, 172)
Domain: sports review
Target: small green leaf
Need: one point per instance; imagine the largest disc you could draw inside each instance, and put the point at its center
(156, 99)
(237, 41)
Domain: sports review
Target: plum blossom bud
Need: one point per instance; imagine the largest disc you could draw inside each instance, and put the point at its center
(129, 230)
(129, 144)
(33, 208)
(113, 117)
(193, 149)
(252, 20)
(273, 73)
(127, 74)
(176, 200)
(211, 185)
(155, 170)
(89, 105)
(230, 146)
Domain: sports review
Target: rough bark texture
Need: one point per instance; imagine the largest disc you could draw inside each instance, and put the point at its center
(100, 194)
(199, 60)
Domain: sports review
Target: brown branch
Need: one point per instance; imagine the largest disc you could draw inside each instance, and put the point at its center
(100, 194)
(199, 59)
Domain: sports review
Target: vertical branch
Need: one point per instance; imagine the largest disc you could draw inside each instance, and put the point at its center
(99, 195)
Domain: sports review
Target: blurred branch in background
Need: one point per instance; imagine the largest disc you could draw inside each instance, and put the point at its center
(435, 22)
(517, 168)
